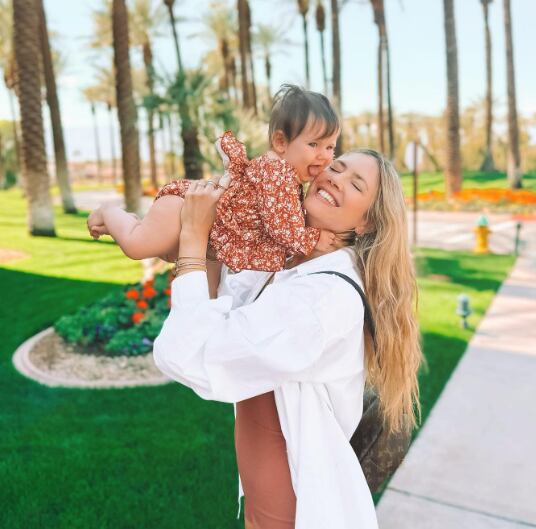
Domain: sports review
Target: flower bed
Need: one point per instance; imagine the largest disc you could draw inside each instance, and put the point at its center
(121, 323)
(473, 199)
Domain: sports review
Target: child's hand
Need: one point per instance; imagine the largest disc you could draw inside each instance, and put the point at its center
(224, 158)
(95, 224)
(325, 241)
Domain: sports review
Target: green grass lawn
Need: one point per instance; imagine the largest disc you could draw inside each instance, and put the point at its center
(471, 179)
(148, 457)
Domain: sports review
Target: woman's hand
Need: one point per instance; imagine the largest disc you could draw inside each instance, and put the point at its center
(199, 208)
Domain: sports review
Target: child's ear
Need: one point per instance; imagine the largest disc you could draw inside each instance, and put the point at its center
(279, 142)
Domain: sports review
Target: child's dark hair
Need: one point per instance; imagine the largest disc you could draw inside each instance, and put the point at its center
(293, 107)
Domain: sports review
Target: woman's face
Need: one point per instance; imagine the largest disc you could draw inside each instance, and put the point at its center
(339, 197)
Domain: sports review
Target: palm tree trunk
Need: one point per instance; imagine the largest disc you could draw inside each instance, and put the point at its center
(173, 170)
(381, 120)
(268, 72)
(149, 70)
(169, 5)
(126, 107)
(306, 51)
(15, 130)
(97, 142)
(336, 50)
(514, 157)
(488, 164)
(453, 168)
(390, 119)
(62, 171)
(34, 163)
(242, 46)
(320, 16)
(252, 89)
(189, 133)
(112, 143)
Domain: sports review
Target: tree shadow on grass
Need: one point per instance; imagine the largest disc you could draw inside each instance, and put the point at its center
(459, 272)
(87, 239)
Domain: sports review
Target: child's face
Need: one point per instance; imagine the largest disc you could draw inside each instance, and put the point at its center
(307, 153)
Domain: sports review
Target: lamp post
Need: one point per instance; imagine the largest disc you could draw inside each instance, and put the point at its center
(463, 309)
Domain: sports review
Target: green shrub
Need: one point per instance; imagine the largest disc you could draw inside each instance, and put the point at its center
(121, 323)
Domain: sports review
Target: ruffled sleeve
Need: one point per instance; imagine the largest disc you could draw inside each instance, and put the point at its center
(280, 205)
(236, 151)
(176, 187)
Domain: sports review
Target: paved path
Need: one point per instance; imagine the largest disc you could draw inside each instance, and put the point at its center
(473, 465)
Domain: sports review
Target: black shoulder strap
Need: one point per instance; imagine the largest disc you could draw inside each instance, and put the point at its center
(368, 314)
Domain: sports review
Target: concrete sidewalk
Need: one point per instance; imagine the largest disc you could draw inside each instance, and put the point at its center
(473, 465)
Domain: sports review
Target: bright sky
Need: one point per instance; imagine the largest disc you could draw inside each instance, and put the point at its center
(417, 56)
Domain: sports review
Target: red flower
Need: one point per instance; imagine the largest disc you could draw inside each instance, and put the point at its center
(137, 317)
(167, 291)
(132, 294)
(148, 283)
(149, 292)
(142, 304)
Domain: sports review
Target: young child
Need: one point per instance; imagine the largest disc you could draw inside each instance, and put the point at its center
(259, 218)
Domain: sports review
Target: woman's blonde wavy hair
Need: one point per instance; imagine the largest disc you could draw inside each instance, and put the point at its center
(386, 265)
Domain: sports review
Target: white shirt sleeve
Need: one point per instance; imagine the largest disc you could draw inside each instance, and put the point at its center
(230, 354)
(239, 285)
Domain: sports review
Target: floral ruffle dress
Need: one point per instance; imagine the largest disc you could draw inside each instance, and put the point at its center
(259, 218)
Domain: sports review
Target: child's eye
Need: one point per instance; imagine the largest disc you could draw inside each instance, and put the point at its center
(313, 144)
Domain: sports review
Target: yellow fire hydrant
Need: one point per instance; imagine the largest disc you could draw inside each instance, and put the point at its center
(482, 232)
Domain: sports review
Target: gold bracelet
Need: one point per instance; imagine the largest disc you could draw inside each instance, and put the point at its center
(183, 271)
(184, 263)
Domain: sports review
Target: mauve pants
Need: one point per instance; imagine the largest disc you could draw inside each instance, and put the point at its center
(261, 454)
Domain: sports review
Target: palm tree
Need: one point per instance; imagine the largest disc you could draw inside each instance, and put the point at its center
(189, 134)
(92, 95)
(267, 39)
(220, 22)
(146, 23)
(321, 26)
(488, 164)
(126, 107)
(336, 50)
(244, 21)
(252, 88)
(7, 64)
(62, 171)
(453, 166)
(384, 73)
(34, 163)
(303, 8)
(514, 158)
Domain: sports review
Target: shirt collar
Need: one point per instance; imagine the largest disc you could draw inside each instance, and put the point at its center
(340, 260)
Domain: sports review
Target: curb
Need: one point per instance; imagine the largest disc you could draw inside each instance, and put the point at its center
(22, 363)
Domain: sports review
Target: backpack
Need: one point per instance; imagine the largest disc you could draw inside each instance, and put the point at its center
(379, 452)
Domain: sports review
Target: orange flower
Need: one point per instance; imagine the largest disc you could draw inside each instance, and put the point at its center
(137, 317)
(149, 292)
(167, 291)
(148, 283)
(132, 294)
(142, 304)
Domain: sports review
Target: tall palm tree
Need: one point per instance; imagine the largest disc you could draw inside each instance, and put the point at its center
(384, 75)
(252, 87)
(62, 171)
(303, 8)
(220, 22)
(267, 39)
(488, 164)
(514, 157)
(245, 60)
(453, 166)
(92, 95)
(126, 107)
(336, 51)
(146, 24)
(34, 163)
(189, 133)
(320, 15)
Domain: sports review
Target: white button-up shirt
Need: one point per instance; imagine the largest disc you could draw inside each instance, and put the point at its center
(303, 339)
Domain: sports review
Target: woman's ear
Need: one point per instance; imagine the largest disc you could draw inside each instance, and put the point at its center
(279, 142)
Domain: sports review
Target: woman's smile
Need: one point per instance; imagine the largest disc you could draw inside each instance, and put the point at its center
(327, 197)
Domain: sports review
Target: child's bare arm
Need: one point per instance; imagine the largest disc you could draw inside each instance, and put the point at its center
(156, 235)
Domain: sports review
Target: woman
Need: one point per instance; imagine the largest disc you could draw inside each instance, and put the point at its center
(295, 360)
